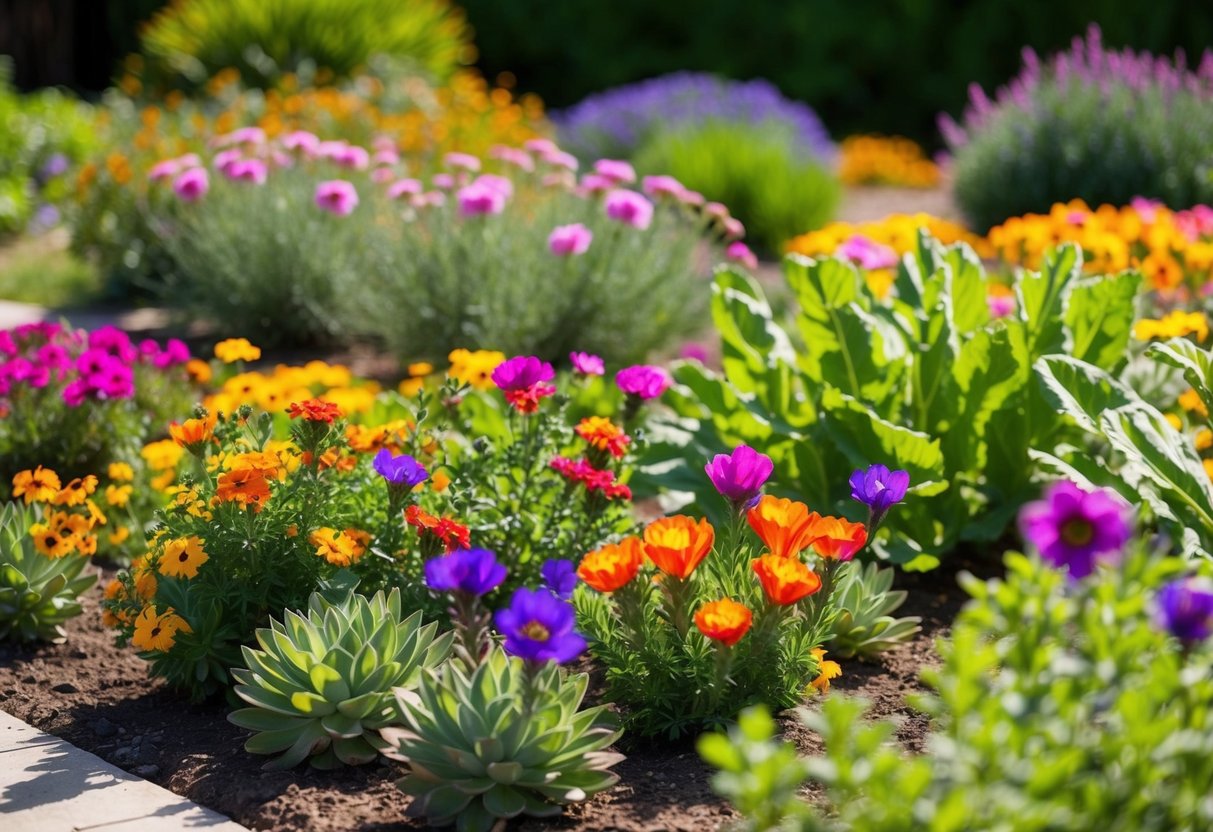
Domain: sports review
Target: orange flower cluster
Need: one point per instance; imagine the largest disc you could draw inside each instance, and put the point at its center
(450, 533)
(604, 435)
(195, 434)
(340, 548)
(788, 528)
(61, 531)
(158, 631)
(885, 160)
(315, 410)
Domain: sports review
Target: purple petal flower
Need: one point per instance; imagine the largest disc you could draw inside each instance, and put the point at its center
(587, 364)
(643, 381)
(560, 576)
(879, 489)
(1185, 609)
(403, 470)
(522, 372)
(1077, 529)
(740, 476)
(538, 627)
(467, 571)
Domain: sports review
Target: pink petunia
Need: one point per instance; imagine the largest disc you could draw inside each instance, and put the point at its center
(629, 208)
(566, 240)
(478, 199)
(192, 185)
(337, 196)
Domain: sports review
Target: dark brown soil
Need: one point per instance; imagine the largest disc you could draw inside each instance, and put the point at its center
(100, 698)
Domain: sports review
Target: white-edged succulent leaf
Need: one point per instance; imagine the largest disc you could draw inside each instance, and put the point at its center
(478, 752)
(865, 599)
(320, 686)
(38, 594)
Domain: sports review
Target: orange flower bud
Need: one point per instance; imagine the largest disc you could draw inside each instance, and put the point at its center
(785, 526)
(838, 539)
(785, 580)
(678, 544)
(613, 566)
(725, 621)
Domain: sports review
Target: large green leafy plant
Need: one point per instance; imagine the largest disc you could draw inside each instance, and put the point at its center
(925, 380)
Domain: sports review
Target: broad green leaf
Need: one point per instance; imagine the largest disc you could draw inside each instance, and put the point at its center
(866, 438)
(1042, 300)
(970, 309)
(751, 341)
(1099, 315)
(1196, 364)
(1081, 390)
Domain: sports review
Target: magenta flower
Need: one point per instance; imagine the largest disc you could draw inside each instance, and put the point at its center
(478, 199)
(462, 161)
(733, 229)
(629, 208)
(644, 381)
(740, 476)
(354, 157)
(867, 253)
(513, 156)
(301, 140)
(587, 364)
(521, 372)
(226, 158)
(540, 146)
(247, 170)
(568, 240)
(192, 185)
(175, 352)
(1077, 529)
(1185, 609)
(1001, 306)
(593, 183)
(498, 183)
(404, 187)
(694, 352)
(663, 186)
(163, 170)
(619, 172)
(739, 252)
(879, 489)
(337, 196)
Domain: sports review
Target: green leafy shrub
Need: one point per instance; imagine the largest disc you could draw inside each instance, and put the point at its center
(500, 741)
(923, 380)
(758, 170)
(190, 41)
(39, 590)
(865, 597)
(1044, 718)
(321, 686)
(1091, 124)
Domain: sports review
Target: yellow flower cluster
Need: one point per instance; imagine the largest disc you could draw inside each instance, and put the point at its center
(1177, 324)
(275, 390)
(61, 531)
(885, 160)
(897, 231)
(474, 368)
(1168, 247)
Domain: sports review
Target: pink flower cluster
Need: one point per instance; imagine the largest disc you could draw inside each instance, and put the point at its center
(87, 365)
(594, 479)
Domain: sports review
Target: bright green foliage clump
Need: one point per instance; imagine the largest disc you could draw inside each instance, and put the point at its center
(192, 40)
(504, 740)
(1060, 705)
(864, 597)
(321, 685)
(38, 594)
(924, 380)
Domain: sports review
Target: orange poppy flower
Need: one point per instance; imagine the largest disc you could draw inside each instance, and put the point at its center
(193, 434)
(245, 486)
(725, 621)
(785, 580)
(613, 566)
(678, 544)
(838, 539)
(785, 526)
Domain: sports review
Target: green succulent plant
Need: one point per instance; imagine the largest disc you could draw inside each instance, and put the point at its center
(38, 594)
(321, 686)
(865, 598)
(502, 741)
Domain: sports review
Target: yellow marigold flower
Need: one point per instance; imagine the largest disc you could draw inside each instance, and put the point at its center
(158, 631)
(1208, 464)
(119, 535)
(38, 486)
(826, 670)
(417, 372)
(162, 455)
(1174, 421)
(236, 349)
(474, 368)
(1190, 401)
(338, 548)
(198, 371)
(1173, 325)
(182, 557)
(1204, 439)
(440, 480)
(76, 491)
(118, 495)
(120, 472)
(193, 434)
(47, 541)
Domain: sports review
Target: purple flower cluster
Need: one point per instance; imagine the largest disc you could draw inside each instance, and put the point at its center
(82, 365)
(615, 123)
(1075, 529)
(1089, 64)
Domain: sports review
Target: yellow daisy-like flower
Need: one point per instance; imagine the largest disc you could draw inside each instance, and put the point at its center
(120, 472)
(236, 349)
(1190, 401)
(76, 492)
(38, 486)
(119, 536)
(182, 557)
(163, 455)
(826, 670)
(158, 631)
(338, 548)
(474, 368)
(118, 495)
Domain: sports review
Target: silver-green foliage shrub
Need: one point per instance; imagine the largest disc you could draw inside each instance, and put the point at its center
(38, 594)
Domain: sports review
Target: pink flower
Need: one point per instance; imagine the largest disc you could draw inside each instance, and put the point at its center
(594, 183)
(692, 198)
(717, 211)
(281, 159)
(643, 381)
(1147, 209)
(224, 159)
(513, 156)
(694, 352)
(498, 183)
(189, 160)
(867, 253)
(247, 170)
(1001, 306)
(192, 185)
(617, 171)
(175, 352)
(733, 229)
(461, 161)
(570, 239)
(383, 143)
(163, 170)
(337, 196)
(381, 176)
(478, 199)
(540, 146)
(352, 156)
(659, 186)
(443, 180)
(385, 157)
(587, 364)
(560, 159)
(301, 140)
(245, 135)
(630, 208)
(740, 252)
(403, 187)
(331, 149)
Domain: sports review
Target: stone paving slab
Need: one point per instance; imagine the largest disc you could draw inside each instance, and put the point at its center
(49, 785)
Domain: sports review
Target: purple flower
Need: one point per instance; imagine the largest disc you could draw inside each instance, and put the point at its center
(538, 627)
(643, 381)
(192, 185)
(879, 489)
(478, 198)
(467, 571)
(337, 196)
(572, 239)
(560, 576)
(1076, 529)
(629, 208)
(739, 476)
(402, 471)
(1185, 609)
(522, 372)
(587, 364)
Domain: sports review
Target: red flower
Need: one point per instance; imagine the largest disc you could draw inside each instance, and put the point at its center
(315, 410)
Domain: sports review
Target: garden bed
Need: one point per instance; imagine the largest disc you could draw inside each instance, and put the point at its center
(99, 697)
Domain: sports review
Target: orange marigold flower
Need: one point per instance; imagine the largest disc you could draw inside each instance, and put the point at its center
(785, 526)
(158, 631)
(40, 485)
(182, 557)
(236, 349)
(838, 539)
(613, 566)
(193, 434)
(245, 486)
(725, 621)
(315, 410)
(453, 535)
(76, 492)
(198, 371)
(49, 542)
(120, 472)
(603, 434)
(119, 535)
(826, 670)
(338, 548)
(678, 544)
(118, 495)
(439, 481)
(785, 580)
